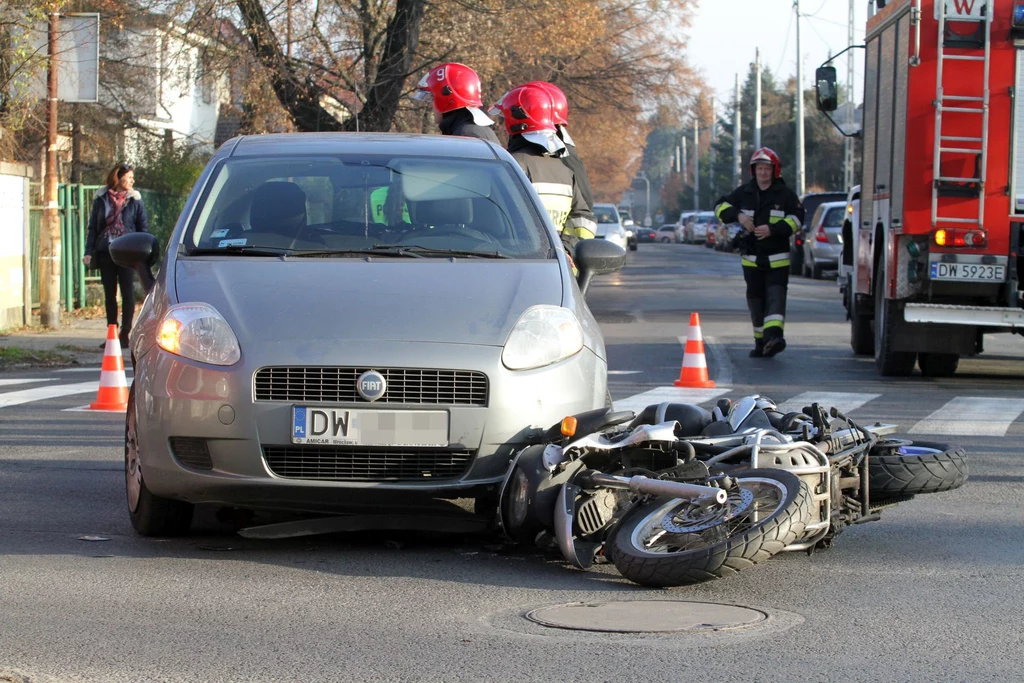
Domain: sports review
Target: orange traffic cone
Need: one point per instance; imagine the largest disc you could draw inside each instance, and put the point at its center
(694, 372)
(113, 393)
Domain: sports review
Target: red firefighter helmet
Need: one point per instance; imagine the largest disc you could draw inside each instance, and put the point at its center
(766, 155)
(451, 86)
(527, 108)
(560, 105)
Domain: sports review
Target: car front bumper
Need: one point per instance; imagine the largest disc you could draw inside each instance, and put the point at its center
(176, 398)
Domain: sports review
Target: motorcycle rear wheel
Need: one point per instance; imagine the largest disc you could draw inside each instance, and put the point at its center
(901, 467)
(767, 513)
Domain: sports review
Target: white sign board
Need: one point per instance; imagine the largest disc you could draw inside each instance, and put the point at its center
(78, 58)
(963, 10)
(12, 216)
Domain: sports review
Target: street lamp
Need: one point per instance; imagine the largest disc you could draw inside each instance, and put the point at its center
(647, 207)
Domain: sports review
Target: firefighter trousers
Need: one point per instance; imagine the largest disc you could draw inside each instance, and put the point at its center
(766, 299)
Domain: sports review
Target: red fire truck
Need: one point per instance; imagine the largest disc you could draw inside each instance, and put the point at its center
(935, 257)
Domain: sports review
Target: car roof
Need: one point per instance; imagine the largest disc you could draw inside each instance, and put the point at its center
(286, 144)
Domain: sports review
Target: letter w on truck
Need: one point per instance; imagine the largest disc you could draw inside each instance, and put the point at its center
(936, 254)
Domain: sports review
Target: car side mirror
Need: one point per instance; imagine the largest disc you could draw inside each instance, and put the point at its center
(826, 93)
(139, 251)
(597, 257)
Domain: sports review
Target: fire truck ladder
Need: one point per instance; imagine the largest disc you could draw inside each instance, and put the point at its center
(967, 105)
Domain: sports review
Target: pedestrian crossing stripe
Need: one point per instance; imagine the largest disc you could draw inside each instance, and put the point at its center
(959, 416)
(978, 415)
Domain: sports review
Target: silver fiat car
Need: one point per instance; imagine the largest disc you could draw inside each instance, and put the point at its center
(352, 321)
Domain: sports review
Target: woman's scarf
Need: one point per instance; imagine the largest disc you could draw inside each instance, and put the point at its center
(115, 203)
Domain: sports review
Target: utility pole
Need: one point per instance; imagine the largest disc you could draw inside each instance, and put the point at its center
(757, 98)
(683, 164)
(288, 29)
(711, 150)
(737, 173)
(696, 160)
(50, 247)
(851, 105)
(800, 185)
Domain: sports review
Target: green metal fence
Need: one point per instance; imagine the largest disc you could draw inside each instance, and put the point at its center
(75, 204)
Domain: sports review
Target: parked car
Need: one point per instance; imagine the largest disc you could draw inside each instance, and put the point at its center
(630, 228)
(823, 239)
(669, 233)
(646, 234)
(401, 346)
(699, 224)
(725, 235)
(811, 201)
(609, 225)
(685, 229)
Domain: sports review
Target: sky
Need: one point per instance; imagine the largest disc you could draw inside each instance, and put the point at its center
(725, 33)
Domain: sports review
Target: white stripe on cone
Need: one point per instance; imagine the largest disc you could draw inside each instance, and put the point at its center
(117, 380)
(694, 360)
(694, 334)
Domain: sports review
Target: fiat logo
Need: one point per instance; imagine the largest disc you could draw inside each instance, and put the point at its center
(371, 385)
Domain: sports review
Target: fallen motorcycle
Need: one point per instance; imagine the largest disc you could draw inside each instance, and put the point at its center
(677, 494)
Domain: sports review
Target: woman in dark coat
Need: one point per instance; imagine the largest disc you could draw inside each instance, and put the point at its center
(116, 209)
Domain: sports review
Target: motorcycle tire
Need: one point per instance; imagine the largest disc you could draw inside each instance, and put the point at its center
(901, 467)
(725, 541)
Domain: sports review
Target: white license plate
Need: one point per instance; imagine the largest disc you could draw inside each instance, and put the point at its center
(347, 427)
(968, 272)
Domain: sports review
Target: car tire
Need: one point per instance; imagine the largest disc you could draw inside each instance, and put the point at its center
(664, 240)
(150, 514)
(632, 246)
(795, 263)
(816, 269)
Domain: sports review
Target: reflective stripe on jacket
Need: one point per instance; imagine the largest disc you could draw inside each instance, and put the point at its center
(777, 207)
(557, 187)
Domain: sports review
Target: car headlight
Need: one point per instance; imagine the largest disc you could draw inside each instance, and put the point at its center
(542, 335)
(198, 332)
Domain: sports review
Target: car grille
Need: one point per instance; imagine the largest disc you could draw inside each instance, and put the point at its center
(342, 463)
(404, 385)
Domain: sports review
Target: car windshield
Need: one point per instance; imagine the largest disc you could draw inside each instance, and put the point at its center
(387, 206)
(605, 214)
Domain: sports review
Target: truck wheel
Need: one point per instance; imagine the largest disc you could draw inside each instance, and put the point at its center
(862, 340)
(938, 364)
(890, 363)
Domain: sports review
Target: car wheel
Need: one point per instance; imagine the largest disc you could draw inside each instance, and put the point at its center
(151, 515)
(664, 240)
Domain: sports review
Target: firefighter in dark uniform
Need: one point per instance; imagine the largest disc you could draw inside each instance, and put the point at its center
(454, 90)
(770, 214)
(560, 112)
(533, 142)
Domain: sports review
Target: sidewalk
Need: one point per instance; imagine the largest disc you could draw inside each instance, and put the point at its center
(75, 342)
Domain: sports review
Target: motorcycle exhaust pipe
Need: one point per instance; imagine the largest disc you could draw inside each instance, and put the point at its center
(658, 487)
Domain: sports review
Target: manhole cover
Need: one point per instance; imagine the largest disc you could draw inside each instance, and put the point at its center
(646, 616)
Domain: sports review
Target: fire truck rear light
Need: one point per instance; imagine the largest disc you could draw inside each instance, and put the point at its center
(951, 237)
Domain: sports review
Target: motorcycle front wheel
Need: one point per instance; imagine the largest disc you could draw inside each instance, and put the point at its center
(673, 542)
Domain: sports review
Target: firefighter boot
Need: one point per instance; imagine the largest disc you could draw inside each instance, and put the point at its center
(758, 350)
(773, 346)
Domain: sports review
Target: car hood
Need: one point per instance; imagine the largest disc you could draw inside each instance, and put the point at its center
(432, 300)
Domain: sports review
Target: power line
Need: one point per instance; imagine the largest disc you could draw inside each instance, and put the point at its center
(785, 43)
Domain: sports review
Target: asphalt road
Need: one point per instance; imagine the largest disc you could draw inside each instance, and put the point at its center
(929, 593)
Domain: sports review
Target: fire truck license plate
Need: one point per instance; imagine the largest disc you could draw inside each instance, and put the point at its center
(968, 272)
